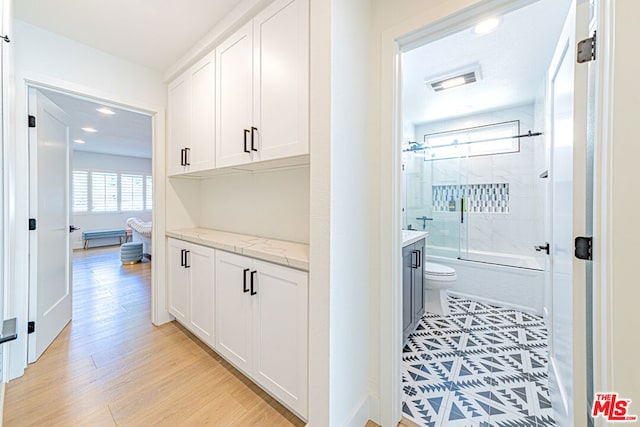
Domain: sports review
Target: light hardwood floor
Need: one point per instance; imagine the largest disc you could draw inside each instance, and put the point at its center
(111, 366)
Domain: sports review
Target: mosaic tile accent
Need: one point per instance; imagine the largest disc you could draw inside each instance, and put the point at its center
(480, 366)
(483, 198)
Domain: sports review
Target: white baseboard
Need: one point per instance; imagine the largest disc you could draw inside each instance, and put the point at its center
(360, 414)
(374, 408)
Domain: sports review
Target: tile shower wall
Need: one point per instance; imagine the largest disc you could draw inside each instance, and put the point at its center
(514, 231)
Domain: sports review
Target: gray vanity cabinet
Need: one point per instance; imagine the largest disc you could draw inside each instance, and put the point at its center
(412, 286)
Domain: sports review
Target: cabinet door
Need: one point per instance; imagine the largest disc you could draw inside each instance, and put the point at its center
(202, 146)
(178, 282)
(234, 70)
(200, 261)
(418, 283)
(280, 333)
(179, 122)
(407, 291)
(233, 314)
(281, 79)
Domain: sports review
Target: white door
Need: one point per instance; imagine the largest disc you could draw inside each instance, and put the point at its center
(567, 100)
(280, 333)
(234, 71)
(234, 308)
(281, 79)
(50, 250)
(202, 146)
(178, 280)
(201, 262)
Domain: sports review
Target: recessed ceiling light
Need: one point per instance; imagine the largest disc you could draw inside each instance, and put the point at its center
(78, 141)
(105, 110)
(89, 129)
(486, 26)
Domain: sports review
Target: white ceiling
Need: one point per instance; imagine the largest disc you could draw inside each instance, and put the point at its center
(125, 133)
(513, 61)
(153, 33)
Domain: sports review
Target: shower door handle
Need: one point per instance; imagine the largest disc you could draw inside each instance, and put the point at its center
(461, 210)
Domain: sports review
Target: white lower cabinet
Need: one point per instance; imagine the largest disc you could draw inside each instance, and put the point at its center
(261, 324)
(191, 287)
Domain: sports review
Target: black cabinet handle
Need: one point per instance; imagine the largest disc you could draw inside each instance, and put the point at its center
(186, 259)
(182, 260)
(253, 274)
(186, 156)
(253, 130)
(246, 132)
(244, 281)
(182, 161)
(416, 260)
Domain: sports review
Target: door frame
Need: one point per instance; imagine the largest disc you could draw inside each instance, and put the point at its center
(422, 28)
(17, 302)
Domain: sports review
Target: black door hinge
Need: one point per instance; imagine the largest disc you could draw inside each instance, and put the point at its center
(32, 121)
(6, 38)
(587, 49)
(31, 327)
(32, 224)
(584, 247)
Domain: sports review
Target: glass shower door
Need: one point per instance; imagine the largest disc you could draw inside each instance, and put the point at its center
(442, 207)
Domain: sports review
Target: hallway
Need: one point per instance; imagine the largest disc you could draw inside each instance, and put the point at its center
(111, 367)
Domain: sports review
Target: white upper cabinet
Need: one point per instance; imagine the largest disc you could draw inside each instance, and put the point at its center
(281, 79)
(178, 123)
(191, 123)
(263, 87)
(234, 100)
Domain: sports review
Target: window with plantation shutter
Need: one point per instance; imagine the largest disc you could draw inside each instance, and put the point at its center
(149, 193)
(131, 192)
(104, 192)
(80, 191)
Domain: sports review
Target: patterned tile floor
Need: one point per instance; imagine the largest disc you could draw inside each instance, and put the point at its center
(480, 366)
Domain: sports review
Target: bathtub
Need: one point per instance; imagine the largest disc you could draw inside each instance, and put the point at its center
(519, 288)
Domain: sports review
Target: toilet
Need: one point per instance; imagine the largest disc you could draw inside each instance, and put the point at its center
(437, 279)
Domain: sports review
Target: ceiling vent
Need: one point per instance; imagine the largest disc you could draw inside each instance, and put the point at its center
(458, 78)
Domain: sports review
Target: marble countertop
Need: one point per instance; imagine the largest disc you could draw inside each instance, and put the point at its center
(412, 236)
(290, 254)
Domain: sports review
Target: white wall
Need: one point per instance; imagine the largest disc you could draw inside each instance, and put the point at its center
(55, 61)
(350, 216)
(271, 204)
(83, 160)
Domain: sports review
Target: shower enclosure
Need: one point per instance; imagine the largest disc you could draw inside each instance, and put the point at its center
(480, 192)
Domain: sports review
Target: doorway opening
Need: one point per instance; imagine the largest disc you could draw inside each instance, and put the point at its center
(485, 167)
(91, 186)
